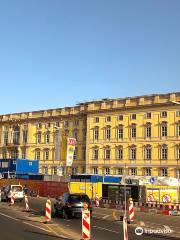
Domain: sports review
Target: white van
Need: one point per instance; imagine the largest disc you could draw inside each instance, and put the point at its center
(16, 189)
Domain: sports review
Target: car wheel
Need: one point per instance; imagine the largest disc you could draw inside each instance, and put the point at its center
(64, 214)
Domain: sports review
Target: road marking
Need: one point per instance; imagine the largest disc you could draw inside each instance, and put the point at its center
(106, 216)
(109, 230)
(36, 227)
(9, 216)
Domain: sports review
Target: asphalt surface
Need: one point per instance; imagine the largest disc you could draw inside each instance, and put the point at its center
(104, 225)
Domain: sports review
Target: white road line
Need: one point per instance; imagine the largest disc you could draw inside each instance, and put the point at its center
(36, 227)
(109, 230)
(106, 216)
(9, 216)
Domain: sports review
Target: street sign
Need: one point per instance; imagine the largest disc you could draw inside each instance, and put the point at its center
(152, 180)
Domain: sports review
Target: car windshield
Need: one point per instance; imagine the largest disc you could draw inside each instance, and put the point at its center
(16, 188)
(78, 198)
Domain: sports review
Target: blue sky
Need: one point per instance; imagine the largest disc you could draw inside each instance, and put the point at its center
(55, 53)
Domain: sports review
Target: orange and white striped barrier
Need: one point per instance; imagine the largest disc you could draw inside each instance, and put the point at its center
(12, 198)
(86, 230)
(97, 200)
(48, 211)
(131, 210)
(26, 203)
(125, 231)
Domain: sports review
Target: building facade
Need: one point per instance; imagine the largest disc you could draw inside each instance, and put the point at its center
(132, 136)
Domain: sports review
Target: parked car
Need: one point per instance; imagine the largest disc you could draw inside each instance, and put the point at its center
(71, 204)
(16, 189)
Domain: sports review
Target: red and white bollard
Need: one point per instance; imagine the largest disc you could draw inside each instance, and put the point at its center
(12, 198)
(97, 200)
(26, 203)
(48, 211)
(125, 231)
(131, 210)
(86, 230)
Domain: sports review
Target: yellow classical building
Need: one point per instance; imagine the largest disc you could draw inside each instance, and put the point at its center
(132, 136)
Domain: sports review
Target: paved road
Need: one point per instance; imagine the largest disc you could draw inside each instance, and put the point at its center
(14, 226)
(103, 227)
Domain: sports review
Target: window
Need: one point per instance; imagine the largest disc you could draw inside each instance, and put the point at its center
(75, 153)
(164, 114)
(147, 171)
(76, 134)
(133, 131)
(56, 124)
(120, 117)
(108, 133)
(48, 125)
(107, 171)
(120, 132)
(84, 153)
(133, 171)
(164, 172)
(178, 173)
(107, 153)
(178, 153)
(120, 171)
(76, 122)
(96, 133)
(95, 170)
(46, 154)
(14, 154)
(37, 154)
(66, 124)
(54, 170)
(96, 120)
(119, 153)
(45, 170)
(5, 137)
(47, 137)
(38, 137)
(133, 117)
(148, 130)
(84, 134)
(164, 129)
(95, 153)
(178, 113)
(108, 118)
(164, 152)
(25, 136)
(148, 115)
(133, 153)
(4, 154)
(24, 154)
(74, 170)
(39, 125)
(16, 135)
(178, 130)
(30, 163)
(148, 152)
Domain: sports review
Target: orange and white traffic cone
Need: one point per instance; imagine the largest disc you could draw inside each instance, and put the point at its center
(131, 210)
(48, 211)
(97, 200)
(12, 198)
(26, 203)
